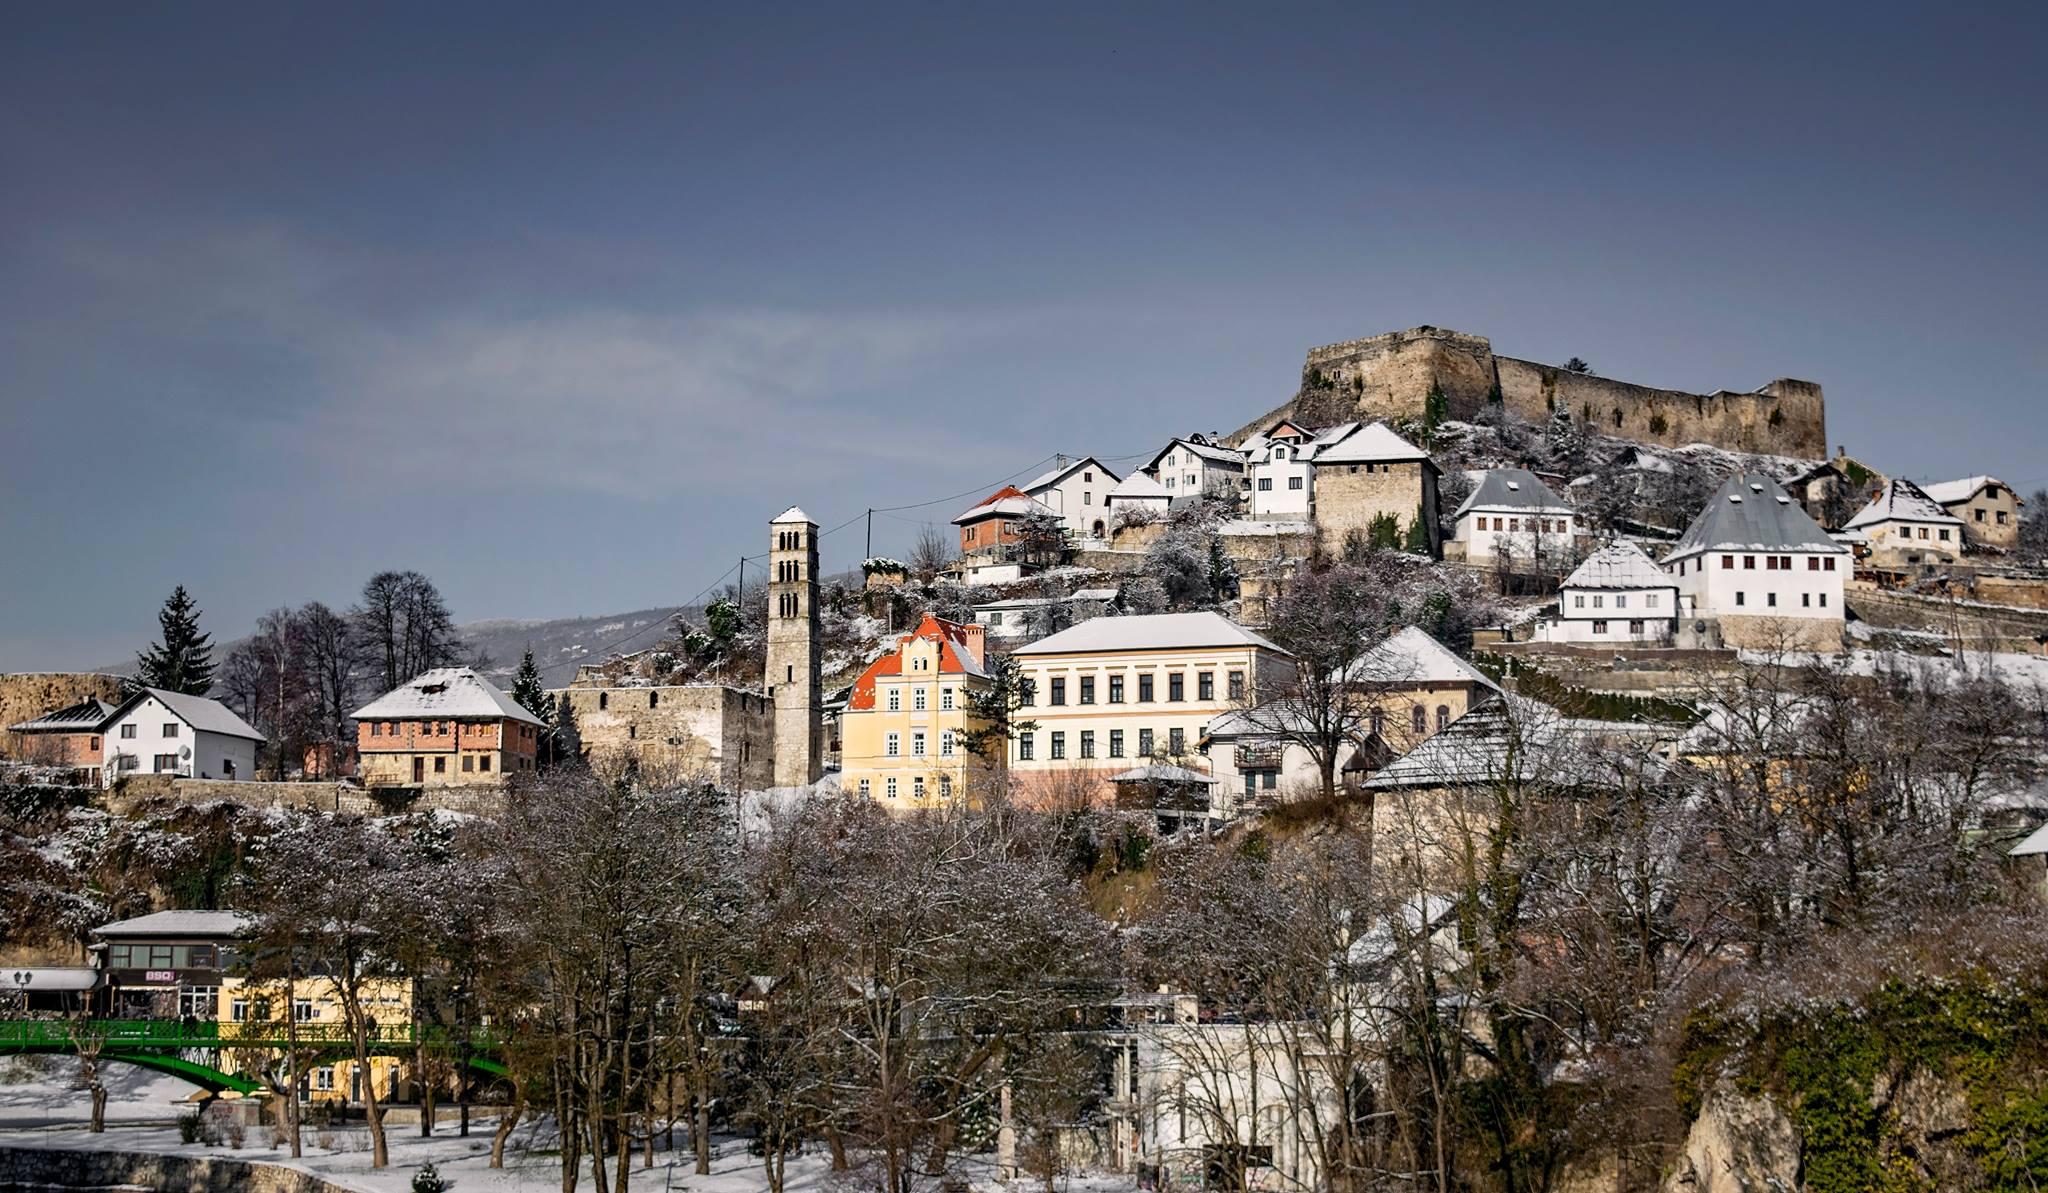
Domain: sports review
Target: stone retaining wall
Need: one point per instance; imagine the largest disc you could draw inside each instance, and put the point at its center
(28, 1166)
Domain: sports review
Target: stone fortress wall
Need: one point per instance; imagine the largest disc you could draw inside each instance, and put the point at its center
(1389, 376)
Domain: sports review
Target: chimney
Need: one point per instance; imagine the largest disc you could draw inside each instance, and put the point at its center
(976, 637)
(1060, 460)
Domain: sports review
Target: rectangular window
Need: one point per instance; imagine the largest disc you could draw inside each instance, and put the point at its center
(166, 763)
(1749, 563)
(1144, 743)
(1176, 687)
(1599, 601)
(1599, 627)
(1116, 743)
(945, 787)
(1828, 564)
(946, 744)
(945, 700)
(1116, 689)
(1176, 742)
(1770, 563)
(1145, 689)
(1650, 601)
(1087, 689)
(303, 1011)
(866, 788)
(917, 787)
(1059, 744)
(483, 762)
(894, 746)
(441, 764)
(1087, 743)
(1237, 685)
(1059, 692)
(1739, 599)
(1265, 484)
(1823, 600)
(1024, 750)
(468, 762)
(1727, 562)
(1579, 601)
(1294, 482)
(1944, 534)
(1771, 599)
(1636, 628)
(128, 731)
(890, 790)
(238, 1010)
(895, 700)
(1813, 563)
(1027, 692)
(1806, 600)
(171, 728)
(1205, 685)
(323, 1078)
(917, 699)
(1621, 600)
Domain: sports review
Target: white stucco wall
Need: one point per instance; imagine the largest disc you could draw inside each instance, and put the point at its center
(1721, 583)
(1521, 530)
(210, 757)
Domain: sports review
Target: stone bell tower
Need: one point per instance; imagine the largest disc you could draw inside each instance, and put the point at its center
(792, 673)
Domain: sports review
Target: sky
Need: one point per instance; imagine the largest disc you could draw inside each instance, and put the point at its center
(560, 304)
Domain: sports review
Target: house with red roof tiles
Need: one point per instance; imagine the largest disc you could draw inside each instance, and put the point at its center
(906, 730)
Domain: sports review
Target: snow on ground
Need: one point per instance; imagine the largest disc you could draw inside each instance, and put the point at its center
(39, 1108)
(2022, 670)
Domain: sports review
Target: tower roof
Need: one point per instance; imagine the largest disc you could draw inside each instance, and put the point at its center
(794, 513)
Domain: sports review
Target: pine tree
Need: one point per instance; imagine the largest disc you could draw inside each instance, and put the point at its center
(1418, 535)
(183, 660)
(528, 692)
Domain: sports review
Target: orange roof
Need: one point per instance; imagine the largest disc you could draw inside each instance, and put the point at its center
(956, 657)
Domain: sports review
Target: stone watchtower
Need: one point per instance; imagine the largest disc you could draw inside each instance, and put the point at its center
(792, 678)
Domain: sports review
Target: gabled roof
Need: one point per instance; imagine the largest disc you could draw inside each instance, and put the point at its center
(204, 714)
(1752, 512)
(1506, 738)
(1513, 489)
(1374, 443)
(1139, 485)
(1409, 656)
(1957, 492)
(83, 717)
(1901, 501)
(956, 657)
(1049, 479)
(1619, 565)
(180, 923)
(1162, 773)
(1147, 631)
(1229, 457)
(1006, 502)
(794, 513)
(453, 693)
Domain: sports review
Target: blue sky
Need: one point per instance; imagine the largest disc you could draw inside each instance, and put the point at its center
(560, 306)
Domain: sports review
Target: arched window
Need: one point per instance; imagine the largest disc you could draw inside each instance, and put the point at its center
(654, 699)
(1419, 719)
(604, 699)
(1443, 717)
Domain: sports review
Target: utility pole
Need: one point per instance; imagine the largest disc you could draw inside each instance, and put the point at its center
(871, 536)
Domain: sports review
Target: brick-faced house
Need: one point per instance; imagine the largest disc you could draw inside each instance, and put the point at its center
(67, 739)
(991, 527)
(447, 727)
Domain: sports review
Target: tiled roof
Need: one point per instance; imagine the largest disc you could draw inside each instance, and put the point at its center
(1006, 502)
(1619, 565)
(1513, 489)
(1375, 443)
(1901, 501)
(456, 693)
(83, 717)
(956, 657)
(1751, 511)
(1148, 631)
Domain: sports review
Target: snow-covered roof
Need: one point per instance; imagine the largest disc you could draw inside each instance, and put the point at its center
(1147, 631)
(1513, 489)
(1752, 512)
(1901, 501)
(1411, 656)
(1959, 491)
(453, 693)
(179, 923)
(2036, 843)
(1619, 565)
(1226, 456)
(203, 713)
(1161, 773)
(1374, 443)
(83, 717)
(1247, 528)
(1137, 485)
(1049, 479)
(1009, 603)
(1006, 502)
(1508, 737)
(1092, 594)
(794, 513)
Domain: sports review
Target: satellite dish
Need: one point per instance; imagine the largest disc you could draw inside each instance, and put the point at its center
(185, 752)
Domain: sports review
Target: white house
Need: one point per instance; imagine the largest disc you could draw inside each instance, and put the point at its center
(1512, 510)
(169, 733)
(1759, 566)
(1906, 527)
(1618, 597)
(1281, 471)
(1189, 468)
(1139, 492)
(1078, 491)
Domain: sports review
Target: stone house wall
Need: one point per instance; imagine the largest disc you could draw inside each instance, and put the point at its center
(687, 730)
(1349, 497)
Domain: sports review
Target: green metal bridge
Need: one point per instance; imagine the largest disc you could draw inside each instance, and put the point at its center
(165, 1045)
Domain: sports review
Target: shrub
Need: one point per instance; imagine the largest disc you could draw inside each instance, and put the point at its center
(188, 1128)
(428, 1180)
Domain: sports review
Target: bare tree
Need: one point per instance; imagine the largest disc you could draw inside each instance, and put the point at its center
(404, 627)
(930, 552)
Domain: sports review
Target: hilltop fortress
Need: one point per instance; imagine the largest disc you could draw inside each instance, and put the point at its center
(1389, 376)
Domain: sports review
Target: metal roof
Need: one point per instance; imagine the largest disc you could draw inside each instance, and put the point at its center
(1049, 479)
(1159, 773)
(1148, 631)
(180, 923)
(204, 714)
(1619, 565)
(1374, 443)
(1513, 489)
(1752, 512)
(83, 717)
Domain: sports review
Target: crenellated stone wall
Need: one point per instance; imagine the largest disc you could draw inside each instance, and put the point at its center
(1389, 377)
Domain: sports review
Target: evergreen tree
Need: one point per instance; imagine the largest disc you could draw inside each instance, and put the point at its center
(182, 661)
(1418, 535)
(1436, 407)
(1383, 533)
(528, 692)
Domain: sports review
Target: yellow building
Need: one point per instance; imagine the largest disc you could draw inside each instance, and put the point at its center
(904, 737)
(1112, 692)
(261, 1009)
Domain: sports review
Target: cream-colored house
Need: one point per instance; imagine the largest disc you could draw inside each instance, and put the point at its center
(1113, 691)
(1907, 528)
(905, 733)
(1987, 506)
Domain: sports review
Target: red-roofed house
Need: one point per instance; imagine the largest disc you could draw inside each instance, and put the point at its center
(906, 728)
(994, 524)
